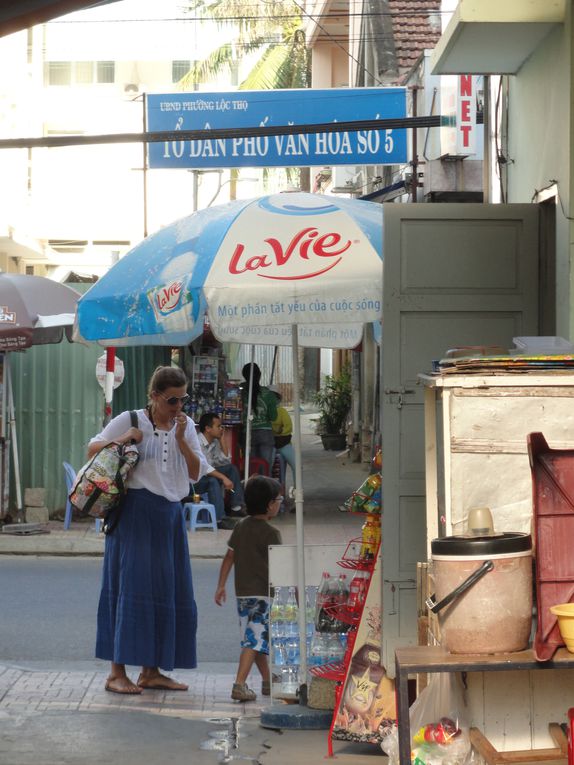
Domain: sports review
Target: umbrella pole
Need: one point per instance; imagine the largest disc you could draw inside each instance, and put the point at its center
(109, 384)
(248, 419)
(299, 518)
(13, 437)
(273, 365)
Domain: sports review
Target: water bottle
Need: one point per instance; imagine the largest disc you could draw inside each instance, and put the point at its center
(317, 654)
(334, 648)
(290, 679)
(291, 614)
(310, 596)
(277, 616)
(279, 654)
(292, 651)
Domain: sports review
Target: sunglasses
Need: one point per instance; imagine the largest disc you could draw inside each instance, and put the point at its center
(278, 499)
(173, 400)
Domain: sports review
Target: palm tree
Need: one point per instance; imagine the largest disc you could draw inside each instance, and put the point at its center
(273, 28)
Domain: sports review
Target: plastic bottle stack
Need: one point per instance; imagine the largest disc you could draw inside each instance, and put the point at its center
(284, 632)
(329, 640)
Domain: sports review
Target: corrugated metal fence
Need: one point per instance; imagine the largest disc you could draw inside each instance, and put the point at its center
(59, 406)
(264, 355)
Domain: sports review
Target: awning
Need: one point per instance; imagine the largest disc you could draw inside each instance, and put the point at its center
(494, 36)
(16, 14)
(386, 193)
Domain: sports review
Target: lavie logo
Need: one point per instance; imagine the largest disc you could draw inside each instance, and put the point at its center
(308, 245)
(166, 299)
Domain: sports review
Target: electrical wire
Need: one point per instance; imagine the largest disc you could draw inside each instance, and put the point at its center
(338, 44)
(336, 40)
(283, 17)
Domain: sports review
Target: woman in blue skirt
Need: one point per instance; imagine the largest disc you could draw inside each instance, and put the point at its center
(147, 614)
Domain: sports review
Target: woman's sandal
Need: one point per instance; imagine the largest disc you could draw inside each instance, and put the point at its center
(126, 687)
(160, 683)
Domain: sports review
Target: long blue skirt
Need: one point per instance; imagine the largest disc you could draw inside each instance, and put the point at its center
(147, 614)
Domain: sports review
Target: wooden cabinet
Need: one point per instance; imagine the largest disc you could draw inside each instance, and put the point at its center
(475, 444)
(476, 455)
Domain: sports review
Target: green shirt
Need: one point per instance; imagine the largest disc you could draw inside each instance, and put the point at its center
(265, 411)
(249, 541)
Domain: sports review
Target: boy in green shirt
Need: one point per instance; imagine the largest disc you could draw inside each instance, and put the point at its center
(248, 551)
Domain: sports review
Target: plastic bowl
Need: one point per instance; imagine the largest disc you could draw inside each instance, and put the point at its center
(565, 614)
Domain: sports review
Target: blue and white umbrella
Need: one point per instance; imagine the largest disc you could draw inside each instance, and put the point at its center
(286, 269)
(257, 267)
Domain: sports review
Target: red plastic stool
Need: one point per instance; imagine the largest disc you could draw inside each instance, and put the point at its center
(571, 736)
(256, 465)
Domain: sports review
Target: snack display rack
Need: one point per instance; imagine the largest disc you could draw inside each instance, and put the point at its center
(338, 670)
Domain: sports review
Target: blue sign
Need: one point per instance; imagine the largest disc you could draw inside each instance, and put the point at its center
(274, 108)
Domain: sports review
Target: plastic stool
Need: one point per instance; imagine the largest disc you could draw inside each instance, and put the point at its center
(193, 513)
(256, 465)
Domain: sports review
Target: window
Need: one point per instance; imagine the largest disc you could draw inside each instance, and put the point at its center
(106, 71)
(29, 270)
(79, 72)
(179, 69)
(59, 73)
(84, 71)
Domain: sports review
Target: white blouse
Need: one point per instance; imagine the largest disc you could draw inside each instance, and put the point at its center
(162, 468)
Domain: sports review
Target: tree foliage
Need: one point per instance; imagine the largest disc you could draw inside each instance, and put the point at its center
(272, 28)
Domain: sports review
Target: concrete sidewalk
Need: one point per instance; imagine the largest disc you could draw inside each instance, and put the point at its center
(55, 715)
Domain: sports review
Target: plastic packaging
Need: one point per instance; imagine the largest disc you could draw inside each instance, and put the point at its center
(322, 619)
(439, 733)
(357, 591)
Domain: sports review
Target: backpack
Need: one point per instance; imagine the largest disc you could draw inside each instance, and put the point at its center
(100, 484)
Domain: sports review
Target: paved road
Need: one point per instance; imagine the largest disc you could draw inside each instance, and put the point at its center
(48, 611)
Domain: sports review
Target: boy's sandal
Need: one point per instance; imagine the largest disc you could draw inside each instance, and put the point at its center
(242, 692)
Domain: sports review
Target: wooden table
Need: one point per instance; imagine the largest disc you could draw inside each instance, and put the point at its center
(416, 659)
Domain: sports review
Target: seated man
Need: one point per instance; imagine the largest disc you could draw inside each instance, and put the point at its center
(223, 476)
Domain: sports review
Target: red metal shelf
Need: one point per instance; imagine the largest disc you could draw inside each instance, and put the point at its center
(351, 559)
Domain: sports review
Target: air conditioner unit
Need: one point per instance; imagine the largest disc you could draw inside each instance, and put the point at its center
(347, 179)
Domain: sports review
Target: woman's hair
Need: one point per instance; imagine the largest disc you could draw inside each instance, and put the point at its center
(259, 492)
(246, 372)
(164, 378)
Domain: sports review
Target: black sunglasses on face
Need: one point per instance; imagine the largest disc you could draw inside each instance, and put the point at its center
(173, 400)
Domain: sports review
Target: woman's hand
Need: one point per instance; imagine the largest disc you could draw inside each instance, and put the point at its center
(180, 426)
(191, 458)
(220, 596)
(133, 435)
